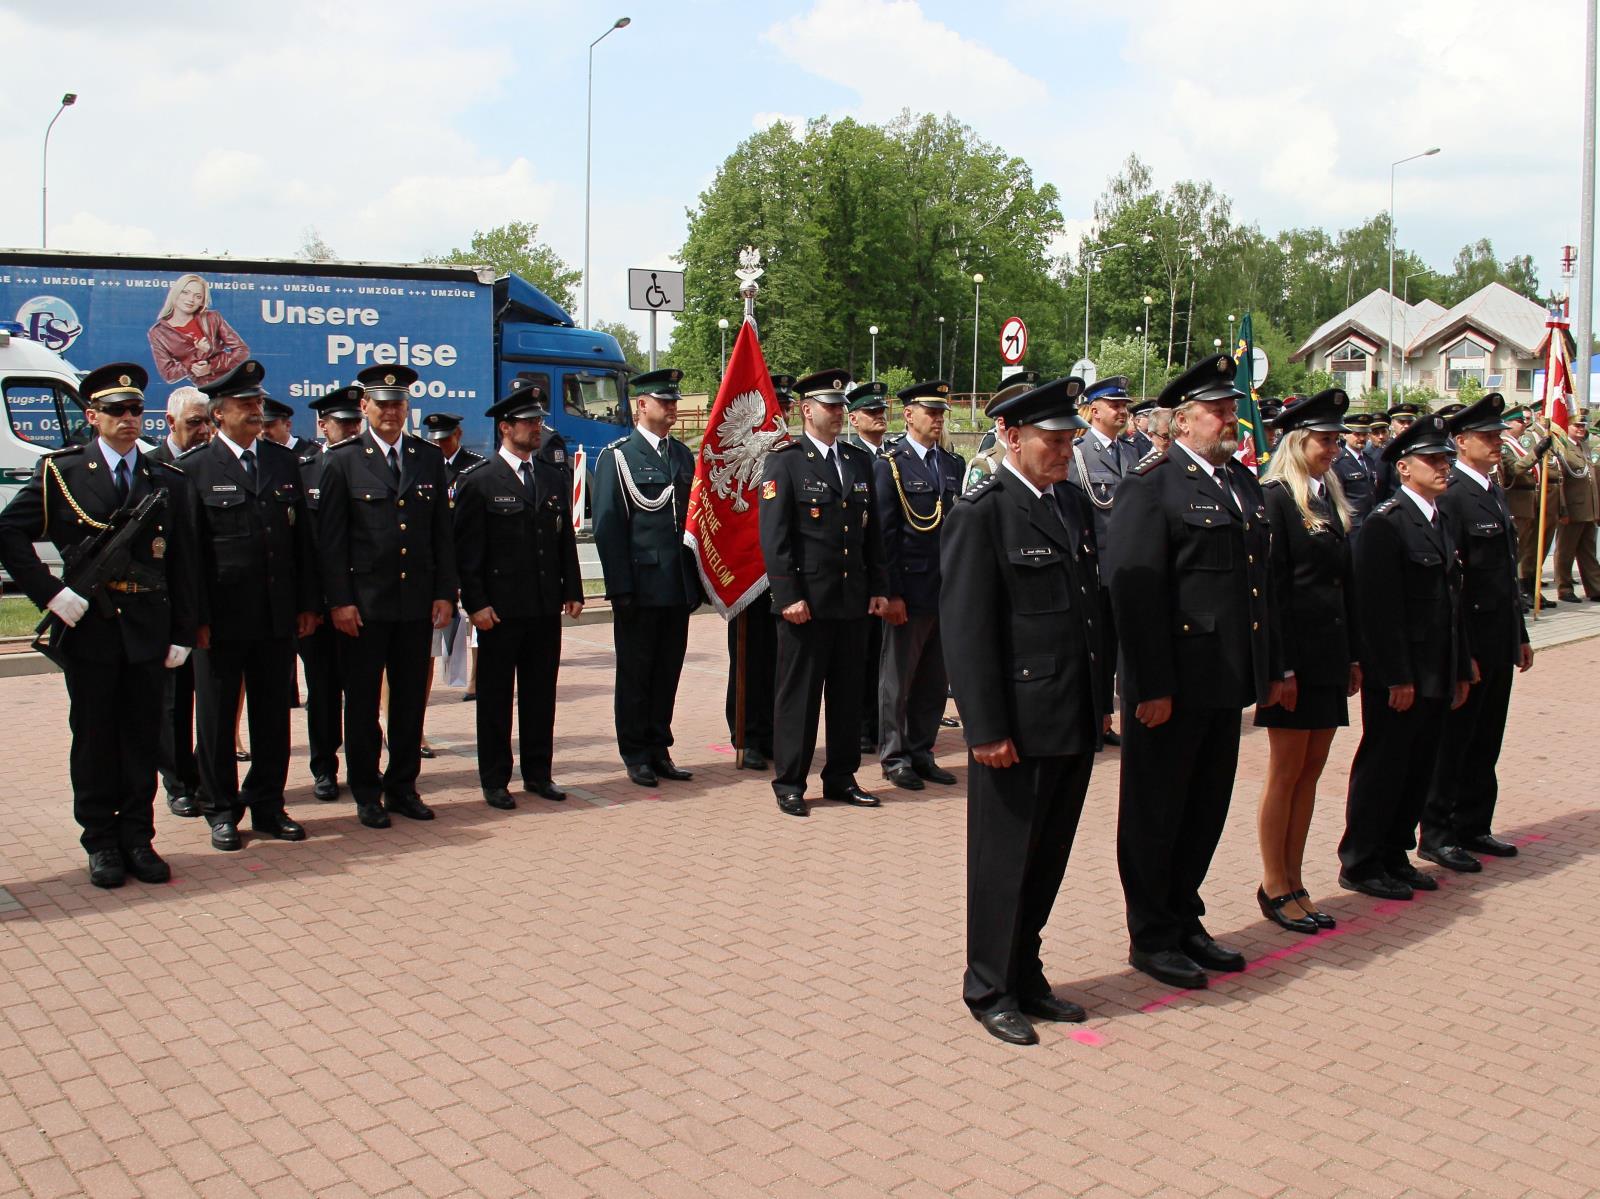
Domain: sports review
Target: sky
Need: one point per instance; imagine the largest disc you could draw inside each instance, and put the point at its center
(396, 128)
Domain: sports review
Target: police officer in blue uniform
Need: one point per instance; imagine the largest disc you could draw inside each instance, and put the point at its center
(641, 500)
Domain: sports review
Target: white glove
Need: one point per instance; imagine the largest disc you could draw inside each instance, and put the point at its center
(177, 655)
(68, 605)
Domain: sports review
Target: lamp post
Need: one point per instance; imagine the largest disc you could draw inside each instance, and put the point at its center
(1216, 344)
(722, 325)
(1089, 257)
(873, 331)
(1231, 342)
(1144, 381)
(588, 160)
(1405, 298)
(939, 374)
(67, 101)
(972, 400)
(1388, 374)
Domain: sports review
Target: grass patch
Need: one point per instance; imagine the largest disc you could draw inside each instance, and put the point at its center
(17, 616)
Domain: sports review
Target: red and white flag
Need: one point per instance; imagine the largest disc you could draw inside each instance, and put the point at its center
(723, 526)
(1557, 374)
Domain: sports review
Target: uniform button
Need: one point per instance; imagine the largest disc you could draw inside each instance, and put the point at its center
(847, 528)
(402, 574)
(1253, 591)
(1091, 657)
(1208, 520)
(847, 552)
(1026, 672)
(1255, 625)
(1185, 628)
(1252, 558)
(402, 526)
(402, 551)
(847, 574)
(400, 503)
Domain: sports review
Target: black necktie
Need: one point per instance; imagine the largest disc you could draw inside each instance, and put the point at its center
(527, 480)
(121, 480)
(248, 461)
(394, 464)
(832, 464)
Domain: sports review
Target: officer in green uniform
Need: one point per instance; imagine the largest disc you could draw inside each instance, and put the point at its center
(992, 451)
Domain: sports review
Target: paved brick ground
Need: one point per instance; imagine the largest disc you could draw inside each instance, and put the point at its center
(685, 993)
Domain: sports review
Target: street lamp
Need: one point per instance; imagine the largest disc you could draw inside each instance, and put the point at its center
(1231, 319)
(1405, 299)
(1089, 257)
(1388, 376)
(588, 159)
(67, 101)
(972, 400)
(723, 326)
(1144, 382)
(873, 331)
(1216, 343)
(939, 374)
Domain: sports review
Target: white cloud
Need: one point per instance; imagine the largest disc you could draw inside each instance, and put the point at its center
(86, 231)
(226, 175)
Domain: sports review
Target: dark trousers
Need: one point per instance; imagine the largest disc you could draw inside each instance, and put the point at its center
(816, 657)
(1021, 821)
(912, 690)
(400, 648)
(1177, 779)
(324, 699)
(870, 732)
(1529, 570)
(114, 712)
(1461, 799)
(1576, 542)
(1389, 781)
(651, 644)
(262, 665)
(180, 771)
(760, 665)
(520, 655)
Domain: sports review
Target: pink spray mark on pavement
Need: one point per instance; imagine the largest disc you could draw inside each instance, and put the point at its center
(1086, 1036)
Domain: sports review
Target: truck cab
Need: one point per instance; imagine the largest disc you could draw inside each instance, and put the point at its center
(39, 390)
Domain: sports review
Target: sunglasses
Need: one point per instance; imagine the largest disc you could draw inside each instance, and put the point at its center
(122, 409)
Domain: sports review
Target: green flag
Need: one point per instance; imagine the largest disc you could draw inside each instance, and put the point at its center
(1252, 437)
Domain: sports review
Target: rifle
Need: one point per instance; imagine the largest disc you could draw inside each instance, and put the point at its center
(96, 561)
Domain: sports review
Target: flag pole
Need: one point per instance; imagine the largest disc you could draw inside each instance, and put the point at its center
(1538, 545)
(749, 270)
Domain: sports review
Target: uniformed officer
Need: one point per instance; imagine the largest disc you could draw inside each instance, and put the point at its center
(1019, 562)
(1519, 476)
(992, 448)
(444, 430)
(1190, 587)
(1355, 471)
(258, 592)
(1401, 417)
(277, 425)
(1377, 438)
(760, 646)
(338, 419)
(824, 561)
(867, 410)
(1580, 507)
(641, 497)
(517, 555)
(915, 484)
(1459, 811)
(116, 642)
(389, 578)
(1270, 408)
(1139, 427)
(1415, 664)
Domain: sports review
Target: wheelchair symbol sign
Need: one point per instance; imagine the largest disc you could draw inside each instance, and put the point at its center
(655, 291)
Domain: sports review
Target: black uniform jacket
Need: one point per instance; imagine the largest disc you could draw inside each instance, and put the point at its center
(142, 624)
(465, 459)
(1313, 589)
(641, 552)
(1191, 587)
(516, 553)
(386, 547)
(1360, 485)
(1408, 583)
(819, 539)
(1481, 524)
(1029, 580)
(911, 559)
(1104, 468)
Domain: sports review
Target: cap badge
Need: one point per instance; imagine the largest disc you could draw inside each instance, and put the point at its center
(838, 384)
(124, 381)
(1222, 366)
(389, 379)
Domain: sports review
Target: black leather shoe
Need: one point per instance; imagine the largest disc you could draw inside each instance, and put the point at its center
(1213, 955)
(949, 722)
(1171, 967)
(1111, 738)
(934, 774)
(106, 868)
(428, 752)
(1379, 886)
(372, 814)
(241, 755)
(146, 865)
(1451, 857)
(792, 803)
(225, 836)
(325, 787)
(469, 697)
(409, 805)
(499, 797)
(1320, 918)
(851, 795)
(1010, 1027)
(545, 790)
(1491, 845)
(1049, 1007)
(754, 760)
(1272, 908)
(642, 775)
(904, 776)
(868, 745)
(1413, 878)
(183, 805)
(281, 828)
(666, 768)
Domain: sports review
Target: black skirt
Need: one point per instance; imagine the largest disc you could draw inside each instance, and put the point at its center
(1318, 707)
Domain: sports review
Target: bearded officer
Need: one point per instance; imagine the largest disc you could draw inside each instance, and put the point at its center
(824, 561)
(1191, 591)
(1355, 472)
(641, 498)
(992, 449)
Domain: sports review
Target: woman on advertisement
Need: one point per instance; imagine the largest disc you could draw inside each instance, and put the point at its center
(189, 339)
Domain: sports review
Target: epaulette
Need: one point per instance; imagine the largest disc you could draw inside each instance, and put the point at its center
(1150, 461)
(351, 440)
(161, 462)
(979, 489)
(1386, 506)
(621, 441)
(469, 468)
(64, 451)
(1272, 482)
(194, 449)
(310, 455)
(783, 445)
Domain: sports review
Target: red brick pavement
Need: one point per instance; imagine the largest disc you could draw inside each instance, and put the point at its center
(684, 993)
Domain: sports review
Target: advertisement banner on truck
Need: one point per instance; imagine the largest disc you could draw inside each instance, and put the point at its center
(313, 333)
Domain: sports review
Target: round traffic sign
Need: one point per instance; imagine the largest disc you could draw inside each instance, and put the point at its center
(1013, 340)
(1086, 370)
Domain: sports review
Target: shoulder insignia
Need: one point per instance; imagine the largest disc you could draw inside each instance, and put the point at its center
(1272, 482)
(783, 445)
(339, 445)
(164, 465)
(1386, 506)
(1150, 461)
(619, 442)
(469, 468)
(64, 451)
(979, 489)
(194, 449)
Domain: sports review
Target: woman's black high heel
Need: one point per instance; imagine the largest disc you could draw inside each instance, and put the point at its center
(1321, 919)
(1272, 909)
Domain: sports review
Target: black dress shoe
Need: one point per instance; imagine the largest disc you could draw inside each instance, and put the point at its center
(934, 774)
(325, 787)
(1171, 967)
(1412, 877)
(241, 755)
(1319, 918)
(851, 795)
(1010, 1027)
(1569, 598)
(146, 865)
(1379, 886)
(1049, 1007)
(409, 805)
(372, 814)
(949, 722)
(469, 697)
(754, 760)
(106, 868)
(225, 836)
(1451, 857)
(1490, 844)
(499, 797)
(280, 827)
(427, 751)
(1111, 738)
(666, 768)
(792, 803)
(183, 805)
(642, 775)
(545, 790)
(1213, 955)
(1272, 909)
(904, 776)
(868, 745)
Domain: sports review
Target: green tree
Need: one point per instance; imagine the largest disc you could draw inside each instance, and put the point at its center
(313, 248)
(628, 340)
(515, 249)
(1470, 391)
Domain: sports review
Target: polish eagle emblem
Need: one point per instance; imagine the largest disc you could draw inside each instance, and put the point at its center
(735, 465)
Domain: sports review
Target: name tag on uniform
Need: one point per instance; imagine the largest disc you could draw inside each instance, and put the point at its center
(1488, 526)
(505, 499)
(813, 485)
(558, 455)
(1205, 507)
(1039, 551)
(224, 487)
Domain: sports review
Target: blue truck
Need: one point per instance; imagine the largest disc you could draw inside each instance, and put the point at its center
(314, 325)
